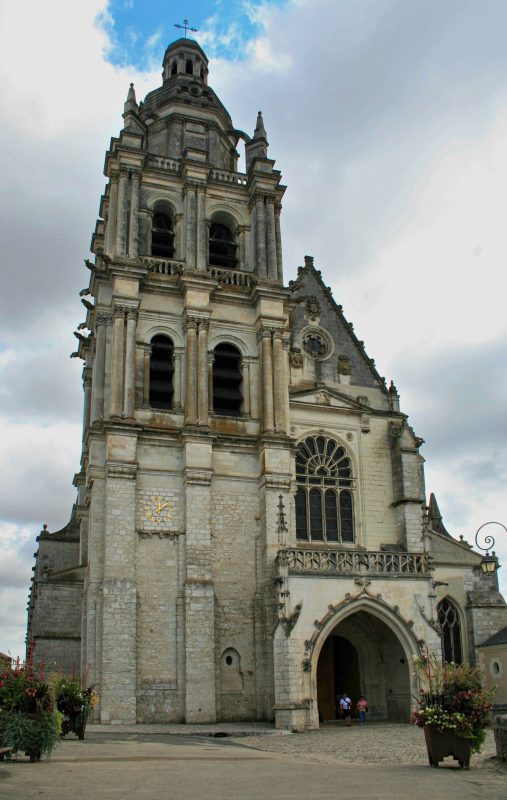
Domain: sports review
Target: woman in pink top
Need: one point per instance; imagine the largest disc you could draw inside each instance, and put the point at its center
(362, 708)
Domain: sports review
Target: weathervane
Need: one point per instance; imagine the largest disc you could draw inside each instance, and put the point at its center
(186, 27)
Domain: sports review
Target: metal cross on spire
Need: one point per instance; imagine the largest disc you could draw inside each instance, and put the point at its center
(186, 27)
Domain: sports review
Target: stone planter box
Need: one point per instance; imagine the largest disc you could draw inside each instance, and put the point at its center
(440, 745)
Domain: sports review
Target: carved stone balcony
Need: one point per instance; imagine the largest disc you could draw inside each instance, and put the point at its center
(160, 162)
(302, 561)
(223, 176)
(233, 277)
(162, 266)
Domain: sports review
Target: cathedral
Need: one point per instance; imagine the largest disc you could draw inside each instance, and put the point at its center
(251, 535)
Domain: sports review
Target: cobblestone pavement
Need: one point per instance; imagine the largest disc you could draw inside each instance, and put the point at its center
(374, 743)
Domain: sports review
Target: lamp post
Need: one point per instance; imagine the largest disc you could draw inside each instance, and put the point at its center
(489, 563)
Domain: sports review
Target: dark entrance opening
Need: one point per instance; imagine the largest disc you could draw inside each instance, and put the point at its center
(363, 655)
(337, 672)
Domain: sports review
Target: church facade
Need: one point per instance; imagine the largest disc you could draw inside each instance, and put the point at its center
(250, 535)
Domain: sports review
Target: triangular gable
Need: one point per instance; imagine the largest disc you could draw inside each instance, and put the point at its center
(314, 305)
(322, 395)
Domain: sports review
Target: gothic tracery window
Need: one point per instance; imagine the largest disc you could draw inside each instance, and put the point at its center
(324, 497)
(449, 621)
(161, 372)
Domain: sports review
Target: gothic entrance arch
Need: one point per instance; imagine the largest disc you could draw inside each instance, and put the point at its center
(362, 654)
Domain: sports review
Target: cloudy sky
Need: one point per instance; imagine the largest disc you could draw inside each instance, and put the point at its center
(388, 119)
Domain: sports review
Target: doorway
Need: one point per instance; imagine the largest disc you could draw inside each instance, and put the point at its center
(363, 655)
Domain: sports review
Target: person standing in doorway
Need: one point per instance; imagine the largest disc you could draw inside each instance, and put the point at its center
(345, 706)
(362, 708)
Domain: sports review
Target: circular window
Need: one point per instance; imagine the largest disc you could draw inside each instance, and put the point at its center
(316, 343)
(495, 668)
(228, 660)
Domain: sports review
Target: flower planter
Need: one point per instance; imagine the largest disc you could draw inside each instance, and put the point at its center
(33, 734)
(441, 744)
(75, 723)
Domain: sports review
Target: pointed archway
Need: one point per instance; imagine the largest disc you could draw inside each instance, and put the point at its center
(361, 646)
(363, 656)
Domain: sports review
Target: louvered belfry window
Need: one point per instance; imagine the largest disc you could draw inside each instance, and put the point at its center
(222, 246)
(227, 377)
(161, 372)
(448, 619)
(324, 498)
(162, 235)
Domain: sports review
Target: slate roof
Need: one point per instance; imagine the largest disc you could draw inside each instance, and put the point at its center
(500, 637)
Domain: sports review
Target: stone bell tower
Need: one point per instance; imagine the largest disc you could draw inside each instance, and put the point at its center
(185, 445)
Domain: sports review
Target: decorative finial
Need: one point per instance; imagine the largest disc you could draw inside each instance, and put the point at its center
(186, 27)
(260, 131)
(281, 522)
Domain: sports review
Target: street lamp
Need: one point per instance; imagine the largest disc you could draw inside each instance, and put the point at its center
(489, 563)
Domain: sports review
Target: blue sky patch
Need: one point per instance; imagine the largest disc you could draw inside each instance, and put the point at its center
(140, 31)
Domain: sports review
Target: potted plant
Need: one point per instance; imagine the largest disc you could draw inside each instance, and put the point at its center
(75, 704)
(29, 720)
(452, 708)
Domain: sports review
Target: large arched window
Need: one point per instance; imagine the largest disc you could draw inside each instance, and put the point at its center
(324, 501)
(161, 372)
(227, 395)
(162, 234)
(448, 619)
(222, 246)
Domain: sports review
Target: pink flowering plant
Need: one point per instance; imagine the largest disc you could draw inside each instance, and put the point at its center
(452, 699)
(29, 720)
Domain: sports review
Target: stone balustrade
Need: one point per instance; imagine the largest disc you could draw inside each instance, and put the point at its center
(229, 277)
(163, 266)
(224, 176)
(303, 561)
(160, 162)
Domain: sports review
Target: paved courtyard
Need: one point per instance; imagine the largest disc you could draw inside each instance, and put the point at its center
(377, 762)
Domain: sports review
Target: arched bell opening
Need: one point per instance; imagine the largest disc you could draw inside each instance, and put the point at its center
(363, 655)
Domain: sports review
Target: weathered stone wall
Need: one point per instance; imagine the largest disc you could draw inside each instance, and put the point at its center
(235, 513)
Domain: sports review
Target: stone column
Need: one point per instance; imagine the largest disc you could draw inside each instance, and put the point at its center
(245, 369)
(99, 364)
(211, 359)
(121, 216)
(278, 236)
(118, 361)
(203, 372)
(190, 229)
(271, 239)
(146, 375)
(242, 249)
(87, 387)
(286, 379)
(267, 379)
(260, 236)
(111, 216)
(191, 373)
(129, 401)
(134, 215)
(177, 380)
(178, 237)
(279, 380)
(201, 228)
